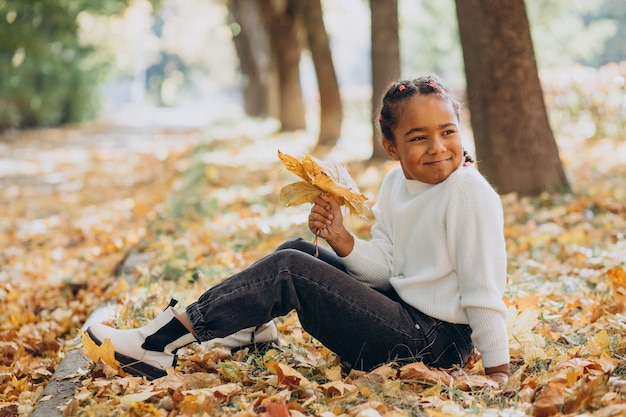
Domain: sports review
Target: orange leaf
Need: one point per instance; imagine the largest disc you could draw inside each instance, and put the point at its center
(549, 401)
(275, 409)
(618, 277)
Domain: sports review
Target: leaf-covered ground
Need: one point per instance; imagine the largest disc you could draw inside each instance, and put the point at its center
(200, 205)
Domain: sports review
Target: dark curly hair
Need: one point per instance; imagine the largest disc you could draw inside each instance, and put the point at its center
(399, 92)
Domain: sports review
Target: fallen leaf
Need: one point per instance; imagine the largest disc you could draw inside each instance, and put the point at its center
(129, 399)
(550, 400)
(104, 352)
(337, 388)
(275, 409)
(289, 376)
(221, 392)
(333, 373)
(417, 371)
(470, 382)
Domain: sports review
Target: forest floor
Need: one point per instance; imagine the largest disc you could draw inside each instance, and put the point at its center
(200, 204)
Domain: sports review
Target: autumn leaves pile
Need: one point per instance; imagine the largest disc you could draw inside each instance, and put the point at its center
(566, 292)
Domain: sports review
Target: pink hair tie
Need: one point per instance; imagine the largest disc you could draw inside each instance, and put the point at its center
(402, 87)
(432, 84)
(380, 117)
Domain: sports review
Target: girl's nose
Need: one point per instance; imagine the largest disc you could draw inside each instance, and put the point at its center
(437, 145)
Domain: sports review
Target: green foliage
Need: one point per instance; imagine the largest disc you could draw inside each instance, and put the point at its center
(47, 76)
(429, 40)
(567, 32)
(615, 50)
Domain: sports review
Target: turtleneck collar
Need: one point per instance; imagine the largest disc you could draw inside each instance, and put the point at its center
(415, 187)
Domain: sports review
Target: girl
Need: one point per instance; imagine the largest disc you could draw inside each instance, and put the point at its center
(427, 287)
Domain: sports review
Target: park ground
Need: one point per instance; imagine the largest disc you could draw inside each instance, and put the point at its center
(197, 203)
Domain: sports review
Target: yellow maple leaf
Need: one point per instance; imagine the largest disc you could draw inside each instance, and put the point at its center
(104, 352)
(320, 177)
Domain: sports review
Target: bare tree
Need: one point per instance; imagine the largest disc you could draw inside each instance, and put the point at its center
(252, 47)
(385, 58)
(331, 114)
(282, 23)
(515, 145)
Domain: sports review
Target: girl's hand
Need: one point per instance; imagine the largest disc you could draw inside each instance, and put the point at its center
(499, 377)
(326, 221)
(499, 374)
(325, 215)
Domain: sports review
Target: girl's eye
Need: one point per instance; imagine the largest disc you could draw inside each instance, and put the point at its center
(449, 132)
(418, 138)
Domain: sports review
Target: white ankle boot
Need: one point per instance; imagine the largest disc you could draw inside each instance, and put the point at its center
(250, 337)
(149, 350)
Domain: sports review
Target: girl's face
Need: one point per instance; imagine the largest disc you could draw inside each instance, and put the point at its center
(426, 140)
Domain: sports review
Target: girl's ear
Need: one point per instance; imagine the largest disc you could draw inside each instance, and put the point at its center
(390, 148)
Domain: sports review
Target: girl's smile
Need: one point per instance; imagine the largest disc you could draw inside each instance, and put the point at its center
(426, 139)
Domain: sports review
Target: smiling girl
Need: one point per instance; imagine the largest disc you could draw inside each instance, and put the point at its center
(427, 286)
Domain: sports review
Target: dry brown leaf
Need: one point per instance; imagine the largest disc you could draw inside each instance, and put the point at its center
(337, 388)
(220, 392)
(320, 177)
(550, 400)
(368, 409)
(129, 399)
(471, 382)
(275, 409)
(289, 376)
(417, 371)
(333, 373)
(384, 372)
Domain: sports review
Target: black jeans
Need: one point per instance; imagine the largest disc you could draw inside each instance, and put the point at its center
(363, 326)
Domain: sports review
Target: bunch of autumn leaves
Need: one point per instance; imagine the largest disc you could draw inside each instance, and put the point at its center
(320, 177)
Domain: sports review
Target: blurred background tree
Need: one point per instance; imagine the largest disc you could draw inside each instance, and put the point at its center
(60, 58)
(48, 74)
(57, 54)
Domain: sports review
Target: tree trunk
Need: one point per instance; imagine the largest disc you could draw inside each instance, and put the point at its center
(515, 146)
(282, 23)
(252, 48)
(330, 99)
(385, 60)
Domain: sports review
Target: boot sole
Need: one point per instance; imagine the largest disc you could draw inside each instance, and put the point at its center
(131, 365)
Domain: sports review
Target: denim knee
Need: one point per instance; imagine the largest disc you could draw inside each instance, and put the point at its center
(298, 244)
(310, 248)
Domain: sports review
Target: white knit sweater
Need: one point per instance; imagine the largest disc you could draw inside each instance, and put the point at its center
(441, 247)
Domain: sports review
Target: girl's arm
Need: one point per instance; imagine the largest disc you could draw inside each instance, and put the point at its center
(476, 240)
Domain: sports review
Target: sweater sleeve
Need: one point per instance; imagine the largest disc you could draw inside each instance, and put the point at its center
(371, 262)
(476, 222)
